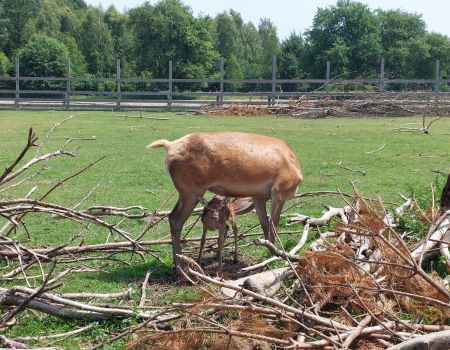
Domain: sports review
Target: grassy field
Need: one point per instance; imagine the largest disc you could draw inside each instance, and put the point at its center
(131, 176)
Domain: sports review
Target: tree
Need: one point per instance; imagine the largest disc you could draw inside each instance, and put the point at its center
(269, 43)
(122, 38)
(96, 43)
(16, 14)
(55, 17)
(240, 44)
(252, 52)
(404, 43)
(169, 31)
(290, 62)
(76, 4)
(439, 50)
(43, 57)
(348, 35)
(3, 31)
(228, 39)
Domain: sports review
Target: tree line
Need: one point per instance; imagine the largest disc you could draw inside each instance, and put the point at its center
(351, 35)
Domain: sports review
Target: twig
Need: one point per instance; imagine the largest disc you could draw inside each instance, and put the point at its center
(340, 164)
(56, 336)
(377, 150)
(125, 294)
(144, 287)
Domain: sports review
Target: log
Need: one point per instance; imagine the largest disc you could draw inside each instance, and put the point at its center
(266, 283)
(433, 341)
(331, 212)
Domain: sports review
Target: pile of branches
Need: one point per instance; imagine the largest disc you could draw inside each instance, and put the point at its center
(322, 107)
(360, 284)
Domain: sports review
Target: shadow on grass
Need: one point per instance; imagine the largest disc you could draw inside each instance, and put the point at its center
(135, 273)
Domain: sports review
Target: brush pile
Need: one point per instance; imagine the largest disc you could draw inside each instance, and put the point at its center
(323, 107)
(361, 285)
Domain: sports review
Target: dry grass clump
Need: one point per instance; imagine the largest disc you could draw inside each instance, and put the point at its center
(237, 110)
(333, 276)
(203, 336)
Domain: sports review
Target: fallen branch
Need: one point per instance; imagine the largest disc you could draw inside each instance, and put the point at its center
(433, 341)
(125, 294)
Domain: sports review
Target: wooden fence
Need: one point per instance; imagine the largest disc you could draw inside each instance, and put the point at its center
(15, 91)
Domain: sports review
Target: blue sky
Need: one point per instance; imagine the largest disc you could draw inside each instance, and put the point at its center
(297, 15)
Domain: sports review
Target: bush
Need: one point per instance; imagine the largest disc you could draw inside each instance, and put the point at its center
(43, 57)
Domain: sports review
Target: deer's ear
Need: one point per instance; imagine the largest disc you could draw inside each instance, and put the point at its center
(202, 201)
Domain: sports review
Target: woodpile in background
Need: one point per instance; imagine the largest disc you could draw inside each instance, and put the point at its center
(322, 107)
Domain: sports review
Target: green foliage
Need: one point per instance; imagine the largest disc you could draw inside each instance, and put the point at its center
(270, 45)
(228, 39)
(423, 198)
(169, 31)
(441, 267)
(3, 28)
(290, 61)
(4, 64)
(17, 13)
(43, 57)
(122, 39)
(96, 43)
(410, 223)
(406, 47)
(241, 45)
(347, 35)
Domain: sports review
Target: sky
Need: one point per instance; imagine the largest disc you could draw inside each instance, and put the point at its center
(297, 15)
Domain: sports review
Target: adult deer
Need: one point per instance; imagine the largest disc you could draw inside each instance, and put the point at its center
(230, 164)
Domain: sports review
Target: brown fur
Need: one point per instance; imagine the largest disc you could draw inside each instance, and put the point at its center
(214, 217)
(230, 164)
(445, 196)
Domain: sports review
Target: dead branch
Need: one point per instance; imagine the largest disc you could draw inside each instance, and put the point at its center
(292, 252)
(126, 294)
(433, 341)
(341, 165)
(12, 175)
(144, 288)
(344, 214)
(12, 344)
(56, 336)
(377, 150)
(30, 143)
(115, 211)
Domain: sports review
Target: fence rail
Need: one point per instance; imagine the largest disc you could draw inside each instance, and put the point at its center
(67, 95)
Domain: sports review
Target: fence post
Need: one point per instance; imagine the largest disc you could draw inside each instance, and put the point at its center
(170, 97)
(118, 91)
(17, 95)
(274, 77)
(327, 76)
(68, 87)
(222, 74)
(382, 76)
(437, 76)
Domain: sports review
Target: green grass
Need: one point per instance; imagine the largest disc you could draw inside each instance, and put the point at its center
(129, 175)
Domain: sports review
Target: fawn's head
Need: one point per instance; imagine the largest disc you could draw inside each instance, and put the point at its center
(214, 206)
